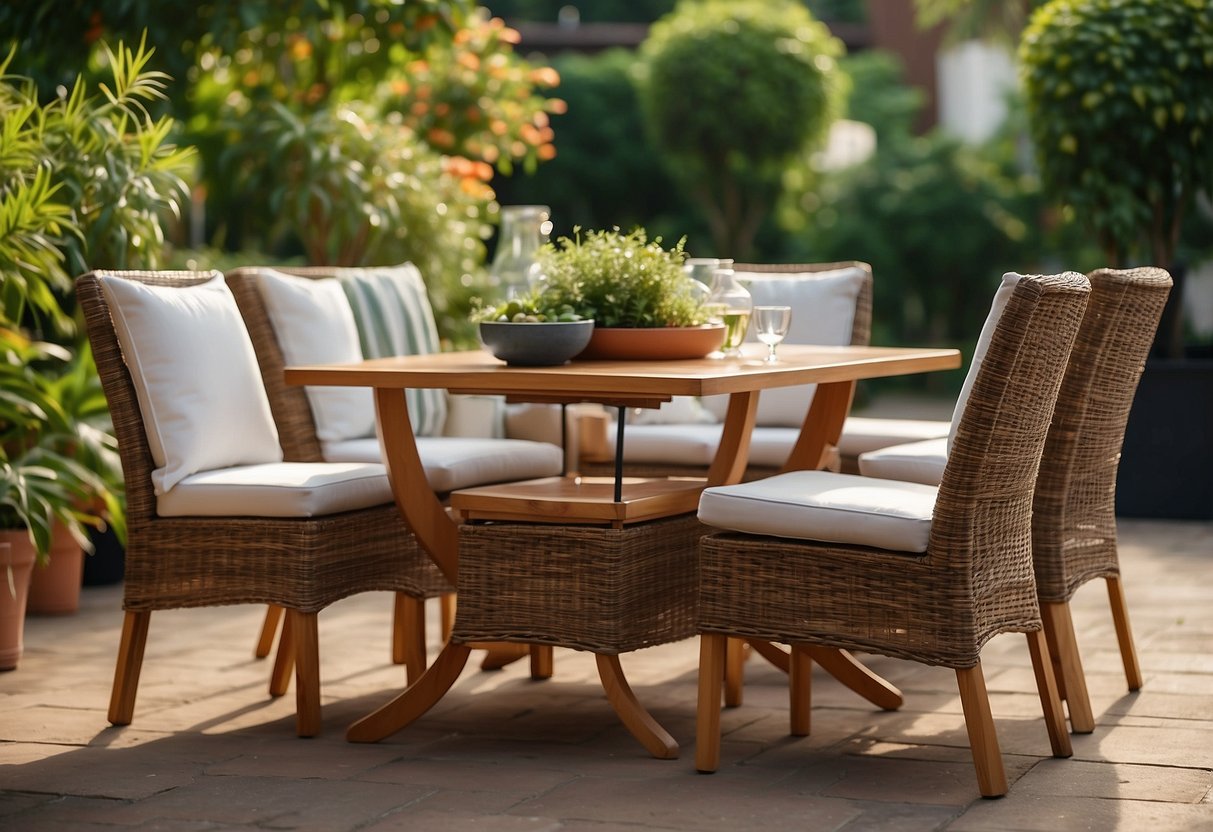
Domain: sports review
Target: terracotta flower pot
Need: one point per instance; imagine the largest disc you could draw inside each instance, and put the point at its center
(55, 587)
(16, 563)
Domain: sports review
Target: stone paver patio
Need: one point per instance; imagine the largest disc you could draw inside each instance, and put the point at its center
(210, 750)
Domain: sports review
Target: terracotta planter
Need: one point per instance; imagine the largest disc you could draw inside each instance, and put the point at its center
(655, 343)
(55, 587)
(18, 563)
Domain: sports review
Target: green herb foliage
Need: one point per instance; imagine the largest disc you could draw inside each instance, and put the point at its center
(621, 280)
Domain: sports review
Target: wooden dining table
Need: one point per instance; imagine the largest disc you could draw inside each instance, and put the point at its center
(623, 500)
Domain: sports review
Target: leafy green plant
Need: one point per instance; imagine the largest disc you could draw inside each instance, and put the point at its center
(353, 189)
(86, 180)
(57, 463)
(1118, 94)
(731, 91)
(620, 280)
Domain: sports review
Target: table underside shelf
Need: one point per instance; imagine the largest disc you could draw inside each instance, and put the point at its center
(580, 500)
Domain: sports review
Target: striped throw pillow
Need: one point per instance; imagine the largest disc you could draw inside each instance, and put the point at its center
(394, 317)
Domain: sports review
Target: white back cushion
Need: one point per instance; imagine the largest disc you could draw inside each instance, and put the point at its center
(823, 312)
(195, 375)
(912, 462)
(1001, 297)
(314, 325)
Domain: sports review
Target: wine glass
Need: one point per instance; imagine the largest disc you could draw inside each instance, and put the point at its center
(771, 325)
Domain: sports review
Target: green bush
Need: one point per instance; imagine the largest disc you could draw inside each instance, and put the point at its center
(731, 92)
(605, 173)
(1120, 96)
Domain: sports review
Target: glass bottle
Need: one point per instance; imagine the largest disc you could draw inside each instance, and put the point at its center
(701, 271)
(515, 269)
(733, 304)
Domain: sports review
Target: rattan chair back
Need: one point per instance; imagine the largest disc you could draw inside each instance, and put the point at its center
(1074, 511)
(982, 527)
(133, 448)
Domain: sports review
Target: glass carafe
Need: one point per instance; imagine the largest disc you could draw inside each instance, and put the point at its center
(524, 228)
(702, 270)
(733, 304)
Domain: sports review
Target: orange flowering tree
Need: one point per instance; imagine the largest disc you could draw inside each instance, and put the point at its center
(473, 98)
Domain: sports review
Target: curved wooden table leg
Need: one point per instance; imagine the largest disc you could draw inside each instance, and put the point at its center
(851, 672)
(842, 666)
(771, 653)
(656, 740)
(415, 700)
(499, 655)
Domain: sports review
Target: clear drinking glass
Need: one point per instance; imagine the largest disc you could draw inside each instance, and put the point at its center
(771, 325)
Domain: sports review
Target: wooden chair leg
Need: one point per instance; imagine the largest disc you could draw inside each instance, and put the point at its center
(707, 717)
(1050, 631)
(1050, 702)
(800, 689)
(284, 662)
(408, 635)
(269, 629)
(734, 671)
(130, 662)
(306, 638)
(987, 759)
(541, 661)
(1124, 635)
(447, 615)
(1068, 664)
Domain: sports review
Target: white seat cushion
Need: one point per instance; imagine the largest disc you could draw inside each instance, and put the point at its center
(910, 462)
(861, 434)
(695, 444)
(314, 325)
(821, 506)
(453, 462)
(283, 489)
(196, 377)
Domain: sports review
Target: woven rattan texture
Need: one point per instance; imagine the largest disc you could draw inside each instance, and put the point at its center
(590, 588)
(861, 335)
(1074, 520)
(976, 579)
(299, 563)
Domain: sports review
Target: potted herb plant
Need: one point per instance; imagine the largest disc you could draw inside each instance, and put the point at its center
(637, 292)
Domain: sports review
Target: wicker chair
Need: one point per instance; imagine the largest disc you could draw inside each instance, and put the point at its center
(1073, 521)
(301, 564)
(298, 436)
(937, 600)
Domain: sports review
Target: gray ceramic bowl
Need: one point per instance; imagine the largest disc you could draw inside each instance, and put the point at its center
(535, 344)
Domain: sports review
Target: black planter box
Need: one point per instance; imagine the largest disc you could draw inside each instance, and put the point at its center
(1166, 466)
